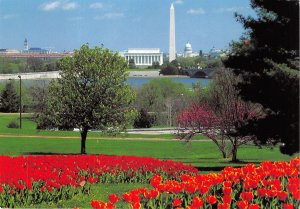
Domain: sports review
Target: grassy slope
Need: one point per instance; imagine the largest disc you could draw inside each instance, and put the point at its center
(200, 154)
(98, 192)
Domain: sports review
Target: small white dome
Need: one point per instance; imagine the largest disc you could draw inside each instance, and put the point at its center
(188, 45)
(188, 48)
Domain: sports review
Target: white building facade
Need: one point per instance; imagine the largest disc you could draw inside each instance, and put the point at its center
(188, 51)
(144, 57)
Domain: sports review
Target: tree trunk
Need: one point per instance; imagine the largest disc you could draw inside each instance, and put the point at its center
(223, 154)
(83, 134)
(223, 147)
(234, 152)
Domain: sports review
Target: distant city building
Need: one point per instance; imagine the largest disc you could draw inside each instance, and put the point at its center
(172, 43)
(188, 51)
(33, 50)
(9, 51)
(144, 57)
(36, 50)
(26, 45)
(214, 53)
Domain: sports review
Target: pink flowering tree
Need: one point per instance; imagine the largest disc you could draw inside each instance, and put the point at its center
(222, 127)
(221, 117)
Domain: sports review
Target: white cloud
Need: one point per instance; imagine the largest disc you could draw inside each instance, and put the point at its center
(198, 11)
(69, 6)
(8, 16)
(178, 2)
(51, 6)
(112, 15)
(59, 5)
(96, 5)
(228, 9)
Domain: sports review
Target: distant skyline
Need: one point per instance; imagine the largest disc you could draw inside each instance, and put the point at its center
(120, 24)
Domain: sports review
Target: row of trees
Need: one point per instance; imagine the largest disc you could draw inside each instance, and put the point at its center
(23, 65)
(182, 64)
(33, 97)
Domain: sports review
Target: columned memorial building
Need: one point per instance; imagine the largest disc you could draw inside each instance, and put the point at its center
(144, 57)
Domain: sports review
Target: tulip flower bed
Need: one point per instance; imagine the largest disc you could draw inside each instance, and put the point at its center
(30, 180)
(271, 185)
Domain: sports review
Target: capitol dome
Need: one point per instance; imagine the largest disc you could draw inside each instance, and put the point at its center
(188, 49)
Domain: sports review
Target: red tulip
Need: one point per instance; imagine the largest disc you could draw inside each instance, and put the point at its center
(248, 196)
(227, 190)
(113, 198)
(177, 202)
(223, 206)
(227, 199)
(253, 206)
(288, 206)
(211, 199)
(243, 204)
(197, 202)
(282, 195)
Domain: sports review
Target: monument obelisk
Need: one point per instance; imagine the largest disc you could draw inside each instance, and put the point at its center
(172, 48)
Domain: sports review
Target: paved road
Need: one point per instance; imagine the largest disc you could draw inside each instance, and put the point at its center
(55, 74)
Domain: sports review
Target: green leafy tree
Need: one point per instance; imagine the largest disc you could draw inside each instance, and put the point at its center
(91, 92)
(35, 64)
(169, 70)
(9, 100)
(162, 96)
(267, 58)
(144, 120)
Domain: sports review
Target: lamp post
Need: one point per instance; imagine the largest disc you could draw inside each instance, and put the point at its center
(20, 101)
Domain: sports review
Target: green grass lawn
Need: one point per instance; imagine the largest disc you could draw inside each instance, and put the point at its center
(98, 192)
(202, 154)
(29, 128)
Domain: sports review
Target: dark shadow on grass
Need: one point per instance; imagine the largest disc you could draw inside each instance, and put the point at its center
(215, 168)
(54, 153)
(48, 153)
(242, 162)
(183, 158)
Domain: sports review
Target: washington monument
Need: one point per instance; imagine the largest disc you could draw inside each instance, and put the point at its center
(172, 48)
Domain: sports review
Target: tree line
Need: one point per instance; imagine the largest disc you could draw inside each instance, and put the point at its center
(25, 65)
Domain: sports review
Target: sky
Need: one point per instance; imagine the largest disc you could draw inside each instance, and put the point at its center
(64, 25)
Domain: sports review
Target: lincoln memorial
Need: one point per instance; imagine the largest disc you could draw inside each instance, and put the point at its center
(144, 57)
